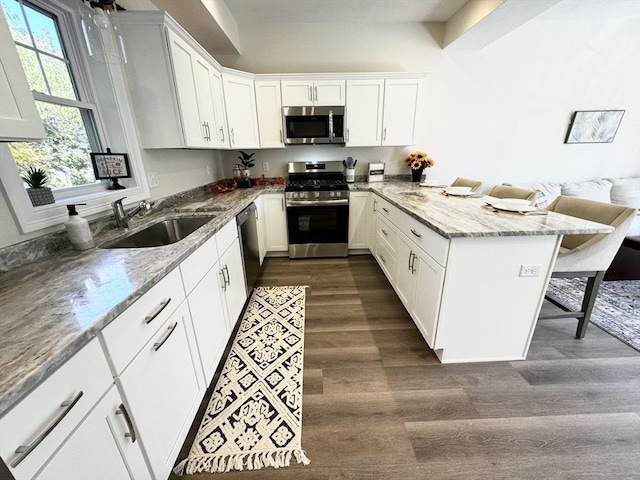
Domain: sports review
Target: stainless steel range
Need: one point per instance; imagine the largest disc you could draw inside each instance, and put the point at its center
(317, 201)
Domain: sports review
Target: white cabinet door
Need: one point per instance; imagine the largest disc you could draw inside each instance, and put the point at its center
(359, 219)
(240, 100)
(404, 279)
(364, 113)
(262, 243)
(275, 221)
(203, 74)
(308, 92)
(429, 281)
(104, 446)
(401, 101)
(235, 289)
(221, 137)
(209, 321)
(185, 77)
(19, 118)
(162, 392)
(269, 107)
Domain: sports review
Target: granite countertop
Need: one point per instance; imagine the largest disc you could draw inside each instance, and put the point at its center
(453, 216)
(53, 307)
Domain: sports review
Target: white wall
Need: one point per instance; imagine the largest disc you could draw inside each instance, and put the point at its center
(498, 114)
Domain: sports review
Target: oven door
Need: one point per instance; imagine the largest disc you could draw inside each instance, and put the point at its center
(318, 229)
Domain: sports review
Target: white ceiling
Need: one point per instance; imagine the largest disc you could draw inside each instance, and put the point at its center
(349, 11)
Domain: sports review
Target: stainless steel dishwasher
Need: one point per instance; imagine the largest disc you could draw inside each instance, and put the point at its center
(248, 233)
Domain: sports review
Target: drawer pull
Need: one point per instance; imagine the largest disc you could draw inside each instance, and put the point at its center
(25, 450)
(386, 210)
(416, 233)
(157, 345)
(132, 433)
(384, 260)
(151, 317)
(384, 232)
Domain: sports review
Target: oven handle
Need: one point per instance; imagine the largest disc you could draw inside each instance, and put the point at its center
(312, 203)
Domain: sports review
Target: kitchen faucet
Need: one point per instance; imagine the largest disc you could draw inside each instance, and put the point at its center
(122, 217)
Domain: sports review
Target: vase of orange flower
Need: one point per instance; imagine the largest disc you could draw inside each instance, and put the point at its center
(418, 161)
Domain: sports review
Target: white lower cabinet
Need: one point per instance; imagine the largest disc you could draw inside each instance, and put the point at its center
(162, 390)
(418, 283)
(68, 426)
(104, 446)
(359, 219)
(275, 222)
(234, 284)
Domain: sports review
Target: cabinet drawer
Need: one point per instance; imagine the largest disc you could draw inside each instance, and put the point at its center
(124, 337)
(386, 259)
(226, 236)
(429, 241)
(196, 265)
(388, 234)
(81, 381)
(387, 210)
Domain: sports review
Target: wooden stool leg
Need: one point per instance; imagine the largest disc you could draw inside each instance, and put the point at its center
(589, 300)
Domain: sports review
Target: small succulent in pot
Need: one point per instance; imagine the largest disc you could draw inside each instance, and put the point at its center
(39, 194)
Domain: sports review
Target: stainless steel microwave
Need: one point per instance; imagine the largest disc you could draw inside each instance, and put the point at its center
(311, 125)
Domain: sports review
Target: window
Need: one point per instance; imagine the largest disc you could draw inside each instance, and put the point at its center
(69, 120)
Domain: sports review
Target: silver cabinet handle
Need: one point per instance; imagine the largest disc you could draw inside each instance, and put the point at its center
(385, 210)
(384, 232)
(347, 134)
(413, 262)
(416, 233)
(410, 258)
(281, 138)
(122, 410)
(375, 202)
(315, 90)
(310, 93)
(204, 130)
(227, 277)
(25, 450)
(233, 136)
(171, 329)
(208, 132)
(384, 260)
(222, 133)
(282, 204)
(149, 318)
(384, 135)
(224, 282)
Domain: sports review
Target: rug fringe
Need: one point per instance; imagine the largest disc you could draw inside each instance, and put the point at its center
(240, 461)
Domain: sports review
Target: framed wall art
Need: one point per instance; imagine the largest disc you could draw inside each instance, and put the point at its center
(594, 126)
(111, 166)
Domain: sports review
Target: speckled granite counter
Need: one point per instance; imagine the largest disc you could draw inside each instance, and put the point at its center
(53, 307)
(453, 216)
(49, 309)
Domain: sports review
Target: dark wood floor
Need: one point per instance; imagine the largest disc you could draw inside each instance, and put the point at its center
(378, 405)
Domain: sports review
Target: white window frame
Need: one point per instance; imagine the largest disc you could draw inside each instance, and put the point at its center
(98, 199)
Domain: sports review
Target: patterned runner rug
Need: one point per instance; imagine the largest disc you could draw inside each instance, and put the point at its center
(254, 417)
(617, 305)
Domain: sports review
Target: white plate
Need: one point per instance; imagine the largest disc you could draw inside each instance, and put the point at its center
(458, 194)
(432, 183)
(508, 208)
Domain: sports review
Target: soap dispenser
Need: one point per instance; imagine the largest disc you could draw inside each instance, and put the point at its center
(78, 229)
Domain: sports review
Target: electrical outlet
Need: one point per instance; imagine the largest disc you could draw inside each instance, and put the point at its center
(530, 270)
(265, 166)
(153, 179)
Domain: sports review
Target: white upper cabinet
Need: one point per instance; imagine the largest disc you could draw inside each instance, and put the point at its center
(175, 86)
(242, 118)
(364, 112)
(308, 92)
(19, 118)
(400, 114)
(269, 107)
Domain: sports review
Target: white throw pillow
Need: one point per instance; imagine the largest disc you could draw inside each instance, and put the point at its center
(549, 190)
(597, 190)
(625, 191)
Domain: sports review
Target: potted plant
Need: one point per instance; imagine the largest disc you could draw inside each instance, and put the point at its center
(39, 194)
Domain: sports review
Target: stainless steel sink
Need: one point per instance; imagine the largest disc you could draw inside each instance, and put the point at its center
(164, 232)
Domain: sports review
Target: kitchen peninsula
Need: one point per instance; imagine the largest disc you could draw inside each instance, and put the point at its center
(52, 308)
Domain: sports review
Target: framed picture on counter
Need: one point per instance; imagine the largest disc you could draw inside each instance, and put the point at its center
(111, 166)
